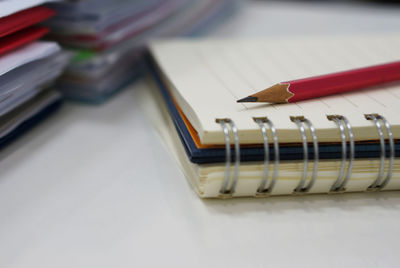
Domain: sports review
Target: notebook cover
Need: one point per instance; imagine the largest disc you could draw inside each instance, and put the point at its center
(20, 38)
(30, 122)
(24, 19)
(256, 153)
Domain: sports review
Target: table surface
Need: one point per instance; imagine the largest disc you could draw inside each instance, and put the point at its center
(94, 186)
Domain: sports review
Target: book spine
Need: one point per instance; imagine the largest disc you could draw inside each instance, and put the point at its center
(304, 185)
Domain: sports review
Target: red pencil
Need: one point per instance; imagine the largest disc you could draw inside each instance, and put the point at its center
(323, 85)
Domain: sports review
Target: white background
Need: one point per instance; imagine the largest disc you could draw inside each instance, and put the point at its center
(95, 187)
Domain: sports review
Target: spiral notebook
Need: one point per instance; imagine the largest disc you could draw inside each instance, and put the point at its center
(333, 144)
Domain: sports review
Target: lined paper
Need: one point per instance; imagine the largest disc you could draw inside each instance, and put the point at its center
(208, 76)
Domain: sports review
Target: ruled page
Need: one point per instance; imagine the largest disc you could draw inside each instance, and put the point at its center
(209, 76)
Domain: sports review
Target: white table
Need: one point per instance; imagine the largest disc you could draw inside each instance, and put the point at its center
(95, 187)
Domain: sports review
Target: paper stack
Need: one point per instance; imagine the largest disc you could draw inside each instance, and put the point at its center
(108, 37)
(27, 67)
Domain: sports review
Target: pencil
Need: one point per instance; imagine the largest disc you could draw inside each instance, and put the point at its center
(329, 84)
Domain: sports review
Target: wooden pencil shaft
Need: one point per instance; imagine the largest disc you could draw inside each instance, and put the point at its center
(344, 81)
(324, 85)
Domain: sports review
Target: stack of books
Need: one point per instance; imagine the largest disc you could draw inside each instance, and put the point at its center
(108, 37)
(28, 67)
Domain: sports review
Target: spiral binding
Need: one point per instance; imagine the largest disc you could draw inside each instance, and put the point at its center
(227, 191)
(347, 139)
(262, 189)
(377, 119)
(345, 130)
(300, 121)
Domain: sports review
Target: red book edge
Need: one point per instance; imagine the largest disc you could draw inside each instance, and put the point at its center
(24, 19)
(21, 38)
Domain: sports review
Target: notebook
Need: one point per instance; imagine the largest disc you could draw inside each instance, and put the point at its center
(200, 81)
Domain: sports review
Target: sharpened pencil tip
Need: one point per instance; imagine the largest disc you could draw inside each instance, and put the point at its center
(248, 99)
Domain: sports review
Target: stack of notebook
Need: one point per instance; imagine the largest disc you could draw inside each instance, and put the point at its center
(108, 36)
(28, 67)
(227, 149)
